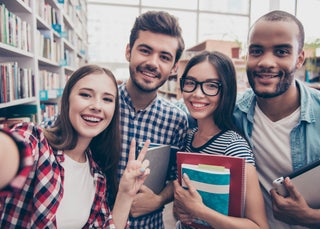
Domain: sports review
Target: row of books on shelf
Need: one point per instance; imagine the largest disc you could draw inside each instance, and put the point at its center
(9, 122)
(51, 85)
(20, 113)
(13, 30)
(49, 80)
(48, 46)
(48, 14)
(48, 114)
(27, 113)
(15, 82)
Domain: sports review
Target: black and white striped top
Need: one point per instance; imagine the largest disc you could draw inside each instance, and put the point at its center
(228, 143)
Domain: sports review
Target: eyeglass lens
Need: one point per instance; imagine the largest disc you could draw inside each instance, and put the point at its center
(207, 87)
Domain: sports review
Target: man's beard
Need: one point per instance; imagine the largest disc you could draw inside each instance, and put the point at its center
(141, 87)
(286, 79)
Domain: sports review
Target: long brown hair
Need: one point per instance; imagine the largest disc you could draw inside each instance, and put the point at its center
(223, 115)
(105, 147)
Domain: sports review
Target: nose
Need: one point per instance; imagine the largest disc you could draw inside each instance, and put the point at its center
(198, 91)
(267, 60)
(153, 61)
(96, 104)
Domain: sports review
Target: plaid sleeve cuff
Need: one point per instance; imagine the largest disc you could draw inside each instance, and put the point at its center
(26, 163)
(111, 224)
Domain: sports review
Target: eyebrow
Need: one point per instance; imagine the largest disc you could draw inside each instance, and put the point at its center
(284, 46)
(90, 89)
(150, 48)
(207, 80)
(276, 46)
(255, 46)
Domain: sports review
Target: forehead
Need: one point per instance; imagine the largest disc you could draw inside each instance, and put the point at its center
(275, 32)
(100, 82)
(203, 71)
(158, 41)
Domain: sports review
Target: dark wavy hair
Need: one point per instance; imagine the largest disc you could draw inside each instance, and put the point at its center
(223, 115)
(105, 147)
(158, 22)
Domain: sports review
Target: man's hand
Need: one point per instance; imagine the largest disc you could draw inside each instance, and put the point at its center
(294, 209)
(146, 201)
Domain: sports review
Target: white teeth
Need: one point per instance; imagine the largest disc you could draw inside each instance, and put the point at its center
(268, 76)
(149, 74)
(92, 119)
(198, 105)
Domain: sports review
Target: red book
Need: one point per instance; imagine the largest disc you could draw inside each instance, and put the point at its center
(237, 177)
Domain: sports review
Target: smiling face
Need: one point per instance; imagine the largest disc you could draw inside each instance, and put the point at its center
(273, 57)
(151, 60)
(92, 104)
(201, 106)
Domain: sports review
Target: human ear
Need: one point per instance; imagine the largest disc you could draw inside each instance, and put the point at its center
(174, 69)
(128, 53)
(300, 59)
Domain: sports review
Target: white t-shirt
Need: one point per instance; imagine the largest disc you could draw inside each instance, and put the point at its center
(79, 191)
(271, 148)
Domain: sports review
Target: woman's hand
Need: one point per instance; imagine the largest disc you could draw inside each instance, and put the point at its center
(186, 201)
(132, 179)
(136, 171)
(9, 159)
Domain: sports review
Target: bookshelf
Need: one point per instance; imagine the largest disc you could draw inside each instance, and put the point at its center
(169, 89)
(41, 43)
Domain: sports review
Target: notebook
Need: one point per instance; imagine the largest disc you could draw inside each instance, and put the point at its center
(213, 185)
(233, 169)
(306, 181)
(159, 157)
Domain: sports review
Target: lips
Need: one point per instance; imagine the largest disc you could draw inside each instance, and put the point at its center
(150, 74)
(197, 105)
(266, 75)
(148, 71)
(90, 118)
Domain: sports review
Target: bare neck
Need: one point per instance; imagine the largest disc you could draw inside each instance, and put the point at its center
(78, 153)
(281, 106)
(207, 127)
(140, 99)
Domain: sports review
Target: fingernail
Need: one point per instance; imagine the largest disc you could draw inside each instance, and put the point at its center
(142, 169)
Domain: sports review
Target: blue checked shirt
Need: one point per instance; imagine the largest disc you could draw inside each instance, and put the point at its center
(163, 123)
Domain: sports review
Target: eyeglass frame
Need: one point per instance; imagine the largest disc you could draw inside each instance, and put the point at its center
(218, 83)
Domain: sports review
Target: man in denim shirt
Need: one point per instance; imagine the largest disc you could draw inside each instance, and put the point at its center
(280, 116)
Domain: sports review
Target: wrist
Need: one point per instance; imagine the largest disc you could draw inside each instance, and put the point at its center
(313, 218)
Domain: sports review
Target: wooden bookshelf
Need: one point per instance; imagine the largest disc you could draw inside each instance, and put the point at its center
(41, 43)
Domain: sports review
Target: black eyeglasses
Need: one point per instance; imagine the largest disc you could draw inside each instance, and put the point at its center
(210, 88)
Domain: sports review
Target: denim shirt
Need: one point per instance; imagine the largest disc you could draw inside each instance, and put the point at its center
(304, 138)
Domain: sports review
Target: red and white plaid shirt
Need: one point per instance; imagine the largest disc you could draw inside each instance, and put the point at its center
(32, 198)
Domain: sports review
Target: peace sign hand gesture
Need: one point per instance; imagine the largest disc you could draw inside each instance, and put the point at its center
(136, 171)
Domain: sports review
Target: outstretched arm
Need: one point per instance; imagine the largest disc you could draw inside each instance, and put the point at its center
(133, 177)
(9, 159)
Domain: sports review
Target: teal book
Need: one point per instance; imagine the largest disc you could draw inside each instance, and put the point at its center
(212, 183)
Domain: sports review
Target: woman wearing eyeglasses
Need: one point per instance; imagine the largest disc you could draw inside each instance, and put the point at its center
(209, 89)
